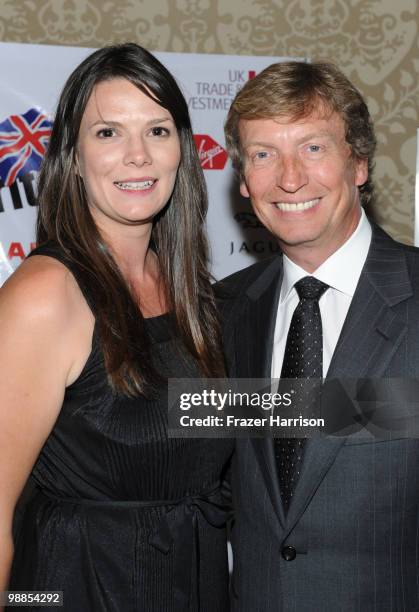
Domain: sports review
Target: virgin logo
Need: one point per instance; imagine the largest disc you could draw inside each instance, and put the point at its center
(211, 154)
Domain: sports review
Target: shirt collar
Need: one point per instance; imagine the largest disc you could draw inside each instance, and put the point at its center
(341, 270)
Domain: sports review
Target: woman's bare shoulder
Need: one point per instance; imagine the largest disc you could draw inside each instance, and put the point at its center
(42, 289)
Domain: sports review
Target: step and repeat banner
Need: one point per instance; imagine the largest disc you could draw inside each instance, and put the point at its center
(32, 77)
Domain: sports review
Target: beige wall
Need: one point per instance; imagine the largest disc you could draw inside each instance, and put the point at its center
(375, 42)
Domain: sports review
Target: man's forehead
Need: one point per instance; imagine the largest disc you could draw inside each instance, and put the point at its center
(327, 123)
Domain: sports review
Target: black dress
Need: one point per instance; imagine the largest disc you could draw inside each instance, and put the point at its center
(125, 519)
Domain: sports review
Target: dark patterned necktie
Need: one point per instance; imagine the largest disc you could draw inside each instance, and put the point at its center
(303, 358)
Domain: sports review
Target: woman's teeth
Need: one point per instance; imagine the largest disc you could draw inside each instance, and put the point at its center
(134, 185)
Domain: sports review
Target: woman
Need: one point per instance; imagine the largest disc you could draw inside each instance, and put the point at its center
(115, 300)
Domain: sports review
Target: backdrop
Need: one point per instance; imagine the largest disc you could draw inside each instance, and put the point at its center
(374, 42)
(32, 77)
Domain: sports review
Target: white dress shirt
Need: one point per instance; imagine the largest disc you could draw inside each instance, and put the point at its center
(341, 271)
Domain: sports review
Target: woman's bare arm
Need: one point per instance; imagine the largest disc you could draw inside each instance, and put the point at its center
(44, 341)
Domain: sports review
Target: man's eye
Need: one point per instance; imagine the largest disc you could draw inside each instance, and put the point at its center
(106, 133)
(160, 131)
(260, 155)
(259, 158)
(314, 148)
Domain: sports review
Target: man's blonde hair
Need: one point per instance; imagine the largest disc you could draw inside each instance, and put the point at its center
(296, 90)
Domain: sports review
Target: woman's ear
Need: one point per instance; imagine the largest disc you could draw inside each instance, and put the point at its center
(77, 164)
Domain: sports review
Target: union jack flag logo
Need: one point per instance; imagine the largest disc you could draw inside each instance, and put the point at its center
(23, 141)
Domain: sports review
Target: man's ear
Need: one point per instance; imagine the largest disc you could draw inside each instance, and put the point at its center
(361, 172)
(243, 188)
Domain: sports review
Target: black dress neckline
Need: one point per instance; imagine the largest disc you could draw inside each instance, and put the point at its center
(160, 327)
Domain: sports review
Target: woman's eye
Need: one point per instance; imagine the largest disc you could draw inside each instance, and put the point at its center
(160, 131)
(106, 133)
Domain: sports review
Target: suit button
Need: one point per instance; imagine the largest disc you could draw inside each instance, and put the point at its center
(288, 553)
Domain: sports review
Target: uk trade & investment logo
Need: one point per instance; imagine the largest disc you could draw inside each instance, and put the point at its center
(212, 155)
(23, 142)
(218, 95)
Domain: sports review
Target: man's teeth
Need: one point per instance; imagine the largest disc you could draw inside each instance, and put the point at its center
(135, 185)
(287, 207)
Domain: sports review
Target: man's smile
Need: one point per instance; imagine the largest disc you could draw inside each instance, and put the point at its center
(297, 206)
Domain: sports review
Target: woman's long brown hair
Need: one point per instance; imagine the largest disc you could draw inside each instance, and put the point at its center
(178, 235)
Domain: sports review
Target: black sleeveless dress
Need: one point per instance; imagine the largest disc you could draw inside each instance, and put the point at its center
(125, 519)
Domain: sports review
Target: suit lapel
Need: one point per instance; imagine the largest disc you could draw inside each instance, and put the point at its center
(264, 451)
(254, 336)
(371, 335)
(255, 328)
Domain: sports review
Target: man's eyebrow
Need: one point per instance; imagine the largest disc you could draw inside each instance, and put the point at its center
(258, 143)
(304, 138)
(317, 134)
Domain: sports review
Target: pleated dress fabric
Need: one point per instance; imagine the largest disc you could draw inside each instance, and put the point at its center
(124, 518)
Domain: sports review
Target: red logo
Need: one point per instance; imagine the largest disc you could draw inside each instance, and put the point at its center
(252, 74)
(211, 154)
(16, 250)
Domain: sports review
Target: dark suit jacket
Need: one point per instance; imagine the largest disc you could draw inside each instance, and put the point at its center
(354, 519)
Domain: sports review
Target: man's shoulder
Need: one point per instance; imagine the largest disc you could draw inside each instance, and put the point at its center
(393, 246)
(411, 254)
(237, 284)
(393, 267)
(410, 250)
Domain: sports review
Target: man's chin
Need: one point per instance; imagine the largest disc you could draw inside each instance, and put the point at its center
(297, 241)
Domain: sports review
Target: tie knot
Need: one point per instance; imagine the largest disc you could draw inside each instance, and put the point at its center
(310, 288)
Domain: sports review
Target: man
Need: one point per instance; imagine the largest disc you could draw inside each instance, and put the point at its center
(330, 523)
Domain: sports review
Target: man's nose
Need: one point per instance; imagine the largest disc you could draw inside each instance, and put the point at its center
(291, 173)
(137, 152)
